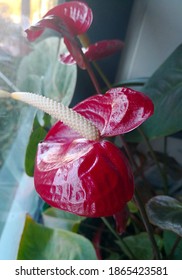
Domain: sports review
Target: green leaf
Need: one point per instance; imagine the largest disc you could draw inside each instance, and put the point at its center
(166, 213)
(56, 218)
(41, 243)
(165, 89)
(132, 207)
(37, 135)
(140, 245)
(170, 239)
(132, 83)
(41, 72)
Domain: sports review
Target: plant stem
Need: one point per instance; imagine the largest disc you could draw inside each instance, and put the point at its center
(178, 239)
(121, 242)
(133, 162)
(147, 224)
(165, 160)
(101, 74)
(141, 207)
(163, 174)
(91, 73)
(85, 41)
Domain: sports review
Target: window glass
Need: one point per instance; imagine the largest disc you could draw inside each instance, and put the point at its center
(15, 118)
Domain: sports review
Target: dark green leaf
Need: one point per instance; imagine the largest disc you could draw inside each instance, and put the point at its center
(41, 243)
(37, 135)
(140, 246)
(166, 213)
(165, 89)
(56, 218)
(132, 207)
(173, 250)
(41, 72)
(47, 121)
(138, 82)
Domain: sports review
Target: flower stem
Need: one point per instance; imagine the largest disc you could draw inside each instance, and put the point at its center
(176, 243)
(91, 73)
(141, 207)
(133, 162)
(101, 74)
(121, 242)
(85, 42)
(147, 224)
(163, 174)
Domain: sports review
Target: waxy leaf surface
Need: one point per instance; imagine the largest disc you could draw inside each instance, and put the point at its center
(41, 243)
(56, 218)
(165, 89)
(41, 72)
(166, 213)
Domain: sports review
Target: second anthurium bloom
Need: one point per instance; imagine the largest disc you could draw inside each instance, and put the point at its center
(95, 51)
(70, 20)
(76, 170)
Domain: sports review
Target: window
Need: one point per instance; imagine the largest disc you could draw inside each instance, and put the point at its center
(17, 195)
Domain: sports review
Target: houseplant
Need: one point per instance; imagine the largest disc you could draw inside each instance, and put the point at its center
(149, 204)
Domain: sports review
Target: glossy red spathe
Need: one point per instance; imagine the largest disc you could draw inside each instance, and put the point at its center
(118, 111)
(87, 178)
(72, 19)
(69, 19)
(95, 51)
(91, 178)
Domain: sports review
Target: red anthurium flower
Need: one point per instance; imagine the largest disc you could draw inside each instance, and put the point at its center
(96, 51)
(88, 176)
(103, 49)
(74, 16)
(91, 178)
(69, 19)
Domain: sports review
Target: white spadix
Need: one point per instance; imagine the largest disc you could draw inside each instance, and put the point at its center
(60, 112)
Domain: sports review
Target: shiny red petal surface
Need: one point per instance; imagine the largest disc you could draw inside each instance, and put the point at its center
(67, 58)
(75, 15)
(75, 52)
(121, 219)
(96, 51)
(51, 22)
(118, 111)
(83, 177)
(103, 49)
